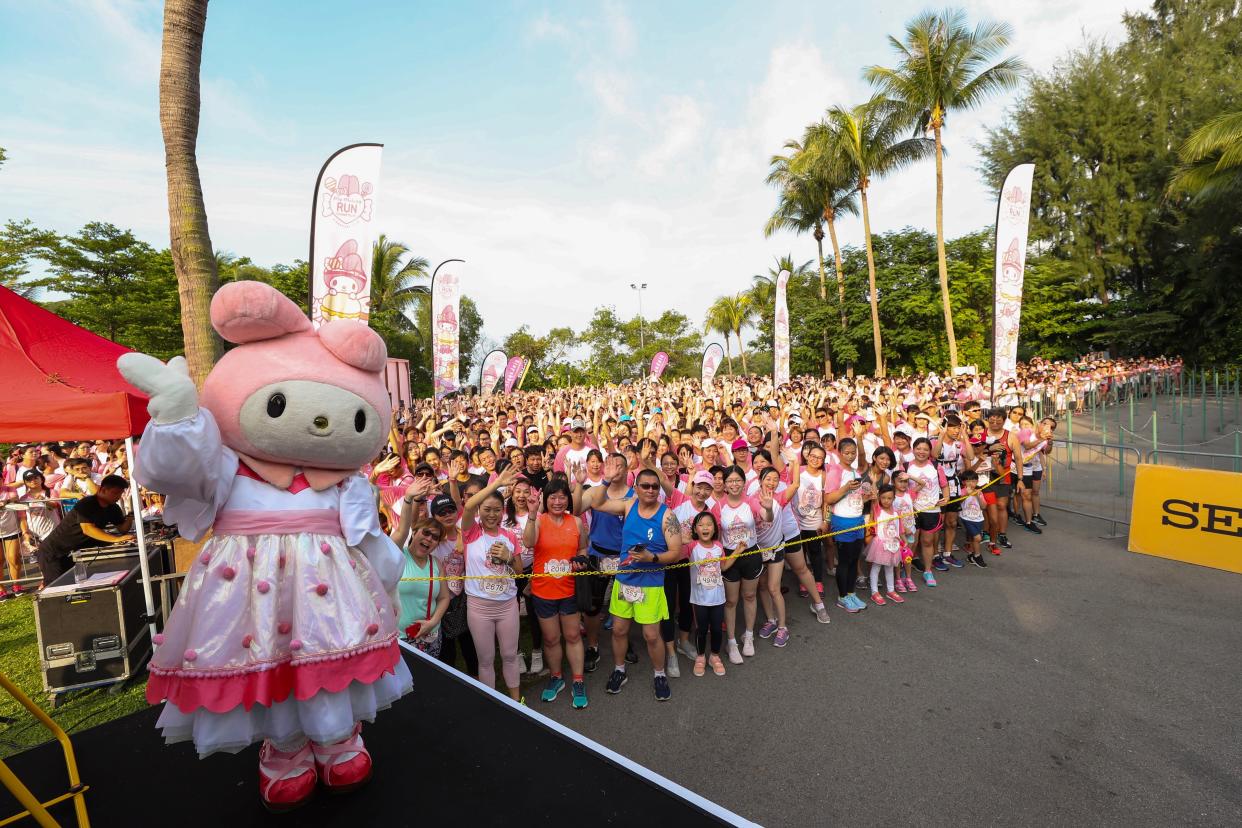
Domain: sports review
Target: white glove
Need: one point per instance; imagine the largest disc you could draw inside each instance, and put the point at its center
(172, 392)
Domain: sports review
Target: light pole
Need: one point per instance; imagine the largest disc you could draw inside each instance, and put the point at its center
(642, 342)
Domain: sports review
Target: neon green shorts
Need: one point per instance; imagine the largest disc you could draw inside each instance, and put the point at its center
(651, 610)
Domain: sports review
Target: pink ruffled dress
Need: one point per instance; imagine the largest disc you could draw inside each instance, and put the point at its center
(886, 547)
(285, 627)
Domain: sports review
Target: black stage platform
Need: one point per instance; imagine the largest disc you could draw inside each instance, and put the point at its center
(450, 753)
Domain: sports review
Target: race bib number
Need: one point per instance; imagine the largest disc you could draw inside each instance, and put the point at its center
(610, 564)
(495, 586)
(558, 567)
(709, 576)
(632, 594)
(736, 534)
(768, 555)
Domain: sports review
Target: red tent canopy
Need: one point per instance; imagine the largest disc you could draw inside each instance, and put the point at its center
(59, 381)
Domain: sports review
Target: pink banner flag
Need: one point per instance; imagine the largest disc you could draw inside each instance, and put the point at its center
(446, 326)
(711, 361)
(658, 363)
(343, 234)
(513, 372)
(491, 372)
(1013, 214)
(780, 351)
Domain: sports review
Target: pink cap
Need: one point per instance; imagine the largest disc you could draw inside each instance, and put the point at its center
(704, 477)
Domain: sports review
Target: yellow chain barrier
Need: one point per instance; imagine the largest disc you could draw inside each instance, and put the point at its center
(683, 564)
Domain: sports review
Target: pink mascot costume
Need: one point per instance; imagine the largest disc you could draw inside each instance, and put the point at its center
(285, 630)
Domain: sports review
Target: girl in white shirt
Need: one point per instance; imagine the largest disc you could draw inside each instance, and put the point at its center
(707, 592)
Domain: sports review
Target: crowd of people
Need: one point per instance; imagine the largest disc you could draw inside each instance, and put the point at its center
(650, 512)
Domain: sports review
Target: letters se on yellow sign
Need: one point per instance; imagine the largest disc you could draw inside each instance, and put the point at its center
(1189, 515)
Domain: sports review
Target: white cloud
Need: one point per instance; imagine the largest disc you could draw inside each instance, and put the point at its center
(544, 27)
(680, 122)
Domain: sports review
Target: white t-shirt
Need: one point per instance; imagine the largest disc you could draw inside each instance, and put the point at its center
(810, 501)
(478, 562)
(739, 524)
(706, 582)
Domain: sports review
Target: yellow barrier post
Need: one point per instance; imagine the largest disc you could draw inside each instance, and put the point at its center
(21, 793)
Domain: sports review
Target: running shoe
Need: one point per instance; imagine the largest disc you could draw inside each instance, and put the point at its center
(895, 598)
(878, 599)
(939, 564)
(687, 649)
(735, 655)
(782, 637)
(671, 666)
(819, 587)
(987, 538)
(590, 659)
(1038, 518)
(5, 594)
(845, 605)
(717, 665)
(994, 549)
(953, 562)
(555, 685)
(700, 665)
(748, 643)
(521, 664)
(901, 584)
(911, 586)
(578, 691)
(616, 681)
(662, 691)
(536, 662)
(978, 561)
(1003, 540)
(856, 601)
(1031, 527)
(918, 564)
(768, 628)
(929, 579)
(861, 582)
(802, 591)
(631, 657)
(821, 614)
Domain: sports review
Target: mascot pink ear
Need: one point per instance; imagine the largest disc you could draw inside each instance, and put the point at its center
(354, 343)
(251, 311)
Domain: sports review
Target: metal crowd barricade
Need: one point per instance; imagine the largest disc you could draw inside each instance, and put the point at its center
(1095, 480)
(1195, 459)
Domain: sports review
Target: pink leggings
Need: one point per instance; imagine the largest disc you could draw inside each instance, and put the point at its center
(489, 620)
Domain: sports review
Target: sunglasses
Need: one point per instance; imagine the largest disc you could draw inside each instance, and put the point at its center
(648, 487)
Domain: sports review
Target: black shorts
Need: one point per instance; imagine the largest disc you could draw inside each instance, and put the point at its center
(1001, 489)
(551, 607)
(773, 556)
(598, 583)
(927, 521)
(952, 506)
(1028, 480)
(748, 567)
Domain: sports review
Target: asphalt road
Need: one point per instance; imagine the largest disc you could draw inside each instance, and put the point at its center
(1071, 682)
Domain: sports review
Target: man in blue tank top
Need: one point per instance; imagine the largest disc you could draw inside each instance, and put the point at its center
(650, 540)
(605, 550)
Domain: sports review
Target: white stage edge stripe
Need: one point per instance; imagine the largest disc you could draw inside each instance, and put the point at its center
(646, 774)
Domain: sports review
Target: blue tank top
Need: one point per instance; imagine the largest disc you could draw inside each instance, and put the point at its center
(650, 533)
(606, 531)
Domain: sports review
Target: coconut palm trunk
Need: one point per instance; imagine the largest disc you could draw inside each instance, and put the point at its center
(836, 260)
(875, 305)
(741, 350)
(192, 254)
(941, 264)
(823, 294)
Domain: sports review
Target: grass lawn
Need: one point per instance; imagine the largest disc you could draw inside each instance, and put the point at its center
(19, 660)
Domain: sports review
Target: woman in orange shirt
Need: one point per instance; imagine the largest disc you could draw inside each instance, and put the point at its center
(557, 537)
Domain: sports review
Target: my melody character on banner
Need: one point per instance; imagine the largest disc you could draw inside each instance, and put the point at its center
(343, 234)
(285, 629)
(1013, 212)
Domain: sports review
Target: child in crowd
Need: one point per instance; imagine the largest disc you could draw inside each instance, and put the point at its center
(885, 548)
(707, 591)
(903, 505)
(971, 517)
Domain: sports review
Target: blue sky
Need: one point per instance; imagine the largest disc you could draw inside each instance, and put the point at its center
(564, 150)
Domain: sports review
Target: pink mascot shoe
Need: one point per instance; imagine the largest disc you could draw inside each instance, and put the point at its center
(284, 632)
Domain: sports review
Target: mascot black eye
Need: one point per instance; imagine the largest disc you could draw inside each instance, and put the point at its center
(360, 421)
(275, 405)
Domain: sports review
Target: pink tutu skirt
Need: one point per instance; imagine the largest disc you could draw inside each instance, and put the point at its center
(281, 637)
(876, 553)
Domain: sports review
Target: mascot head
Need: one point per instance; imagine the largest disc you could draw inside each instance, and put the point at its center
(292, 395)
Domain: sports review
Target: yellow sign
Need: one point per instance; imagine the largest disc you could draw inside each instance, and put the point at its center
(1189, 515)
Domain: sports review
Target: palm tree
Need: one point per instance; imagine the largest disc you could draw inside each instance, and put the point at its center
(814, 191)
(192, 254)
(393, 290)
(1211, 159)
(863, 142)
(717, 321)
(728, 315)
(763, 285)
(943, 66)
